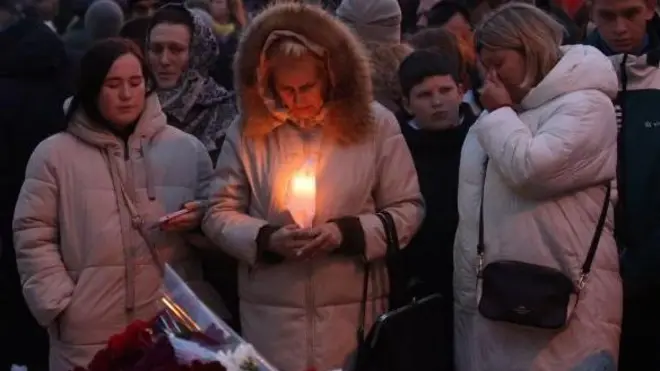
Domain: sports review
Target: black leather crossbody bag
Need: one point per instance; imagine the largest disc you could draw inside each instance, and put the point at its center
(529, 294)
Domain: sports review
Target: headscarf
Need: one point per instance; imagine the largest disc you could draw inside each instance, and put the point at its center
(279, 112)
(214, 107)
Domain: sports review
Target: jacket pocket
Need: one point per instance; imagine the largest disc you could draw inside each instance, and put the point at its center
(96, 310)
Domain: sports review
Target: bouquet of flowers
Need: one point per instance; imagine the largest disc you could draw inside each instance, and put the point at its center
(186, 336)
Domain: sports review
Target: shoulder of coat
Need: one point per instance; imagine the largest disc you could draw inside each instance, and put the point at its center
(57, 148)
(384, 120)
(177, 137)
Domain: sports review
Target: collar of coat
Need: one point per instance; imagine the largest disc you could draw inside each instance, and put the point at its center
(151, 122)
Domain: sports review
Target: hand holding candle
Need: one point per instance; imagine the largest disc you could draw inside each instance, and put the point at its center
(325, 238)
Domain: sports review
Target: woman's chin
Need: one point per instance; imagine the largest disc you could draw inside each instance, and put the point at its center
(166, 83)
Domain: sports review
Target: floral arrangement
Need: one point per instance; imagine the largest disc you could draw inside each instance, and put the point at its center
(137, 349)
(186, 336)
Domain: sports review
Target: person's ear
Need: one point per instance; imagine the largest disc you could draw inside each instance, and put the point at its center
(650, 9)
(461, 88)
(406, 105)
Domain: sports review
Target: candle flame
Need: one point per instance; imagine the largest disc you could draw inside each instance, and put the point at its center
(303, 184)
(302, 198)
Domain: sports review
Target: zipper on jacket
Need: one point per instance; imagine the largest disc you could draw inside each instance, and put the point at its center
(127, 155)
(621, 173)
(311, 313)
(130, 252)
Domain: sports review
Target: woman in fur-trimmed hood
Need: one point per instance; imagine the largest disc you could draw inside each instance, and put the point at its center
(305, 95)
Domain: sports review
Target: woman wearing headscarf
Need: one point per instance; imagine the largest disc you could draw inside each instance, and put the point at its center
(181, 51)
(307, 110)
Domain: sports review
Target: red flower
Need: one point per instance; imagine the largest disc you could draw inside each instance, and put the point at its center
(160, 357)
(137, 349)
(102, 361)
(136, 337)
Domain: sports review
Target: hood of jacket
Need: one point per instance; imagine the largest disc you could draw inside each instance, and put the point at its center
(581, 67)
(385, 60)
(349, 108)
(151, 122)
(30, 49)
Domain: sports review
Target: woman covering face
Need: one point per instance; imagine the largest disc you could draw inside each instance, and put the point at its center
(181, 51)
(298, 183)
(542, 157)
(87, 268)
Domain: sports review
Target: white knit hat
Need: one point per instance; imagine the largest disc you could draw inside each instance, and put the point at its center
(373, 20)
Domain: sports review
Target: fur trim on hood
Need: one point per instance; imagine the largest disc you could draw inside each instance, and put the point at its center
(348, 116)
(385, 60)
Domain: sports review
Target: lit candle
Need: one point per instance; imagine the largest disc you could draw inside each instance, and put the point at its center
(302, 197)
(303, 185)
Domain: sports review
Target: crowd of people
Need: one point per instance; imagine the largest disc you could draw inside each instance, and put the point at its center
(495, 134)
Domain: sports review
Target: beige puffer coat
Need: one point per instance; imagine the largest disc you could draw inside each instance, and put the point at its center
(86, 272)
(305, 314)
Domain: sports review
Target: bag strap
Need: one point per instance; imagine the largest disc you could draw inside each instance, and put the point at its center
(137, 222)
(481, 246)
(392, 242)
(363, 306)
(586, 267)
(391, 234)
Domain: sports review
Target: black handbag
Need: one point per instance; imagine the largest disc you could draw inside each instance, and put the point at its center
(529, 294)
(407, 337)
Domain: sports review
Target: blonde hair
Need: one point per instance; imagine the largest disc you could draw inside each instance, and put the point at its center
(527, 30)
(287, 47)
(282, 51)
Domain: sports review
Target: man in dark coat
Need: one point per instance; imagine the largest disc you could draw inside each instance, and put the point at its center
(33, 86)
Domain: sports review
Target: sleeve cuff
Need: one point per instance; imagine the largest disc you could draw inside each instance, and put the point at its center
(353, 242)
(264, 255)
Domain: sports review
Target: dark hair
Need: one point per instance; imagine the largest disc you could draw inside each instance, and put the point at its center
(422, 64)
(409, 15)
(136, 31)
(442, 12)
(204, 5)
(9, 5)
(440, 41)
(173, 13)
(94, 67)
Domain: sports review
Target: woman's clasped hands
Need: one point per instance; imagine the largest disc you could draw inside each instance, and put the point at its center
(295, 243)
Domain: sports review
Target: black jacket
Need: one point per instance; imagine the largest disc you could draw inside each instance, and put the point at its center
(34, 81)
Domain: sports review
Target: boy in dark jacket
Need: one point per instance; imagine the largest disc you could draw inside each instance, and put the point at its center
(434, 125)
(628, 32)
